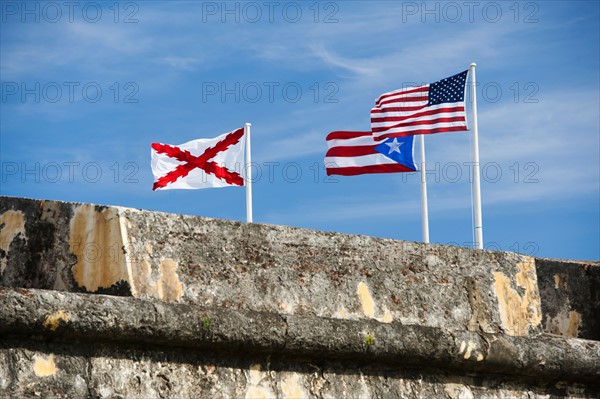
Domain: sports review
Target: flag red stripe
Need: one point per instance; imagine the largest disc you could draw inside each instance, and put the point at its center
(360, 170)
(408, 90)
(420, 122)
(354, 151)
(343, 135)
(417, 114)
(403, 100)
(397, 109)
(423, 131)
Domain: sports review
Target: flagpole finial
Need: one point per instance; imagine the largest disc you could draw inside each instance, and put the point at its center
(473, 65)
(248, 124)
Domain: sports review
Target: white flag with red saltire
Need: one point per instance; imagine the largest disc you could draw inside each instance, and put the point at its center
(433, 108)
(202, 163)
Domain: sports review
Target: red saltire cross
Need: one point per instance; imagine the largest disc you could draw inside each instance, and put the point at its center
(203, 161)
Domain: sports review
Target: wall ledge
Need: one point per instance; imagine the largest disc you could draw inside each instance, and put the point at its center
(60, 316)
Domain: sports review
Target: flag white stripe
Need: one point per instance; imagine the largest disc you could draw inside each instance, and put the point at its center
(419, 91)
(358, 141)
(401, 98)
(365, 160)
(415, 118)
(381, 113)
(428, 126)
(383, 107)
(417, 127)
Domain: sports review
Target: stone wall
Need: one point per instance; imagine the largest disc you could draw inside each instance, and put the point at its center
(116, 302)
(570, 294)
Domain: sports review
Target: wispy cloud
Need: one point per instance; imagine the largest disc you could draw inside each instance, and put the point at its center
(357, 67)
(183, 63)
(293, 147)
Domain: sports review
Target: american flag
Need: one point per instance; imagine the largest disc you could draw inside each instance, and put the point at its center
(434, 108)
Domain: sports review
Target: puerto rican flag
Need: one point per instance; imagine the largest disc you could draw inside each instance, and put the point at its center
(202, 163)
(357, 153)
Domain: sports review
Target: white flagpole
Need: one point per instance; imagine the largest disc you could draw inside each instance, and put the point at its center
(476, 183)
(248, 177)
(424, 210)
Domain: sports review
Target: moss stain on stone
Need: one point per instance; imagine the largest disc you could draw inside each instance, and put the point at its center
(12, 224)
(53, 321)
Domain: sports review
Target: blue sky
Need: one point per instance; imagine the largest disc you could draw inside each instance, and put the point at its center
(87, 87)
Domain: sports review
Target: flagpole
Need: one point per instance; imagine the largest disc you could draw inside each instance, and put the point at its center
(424, 210)
(248, 176)
(476, 182)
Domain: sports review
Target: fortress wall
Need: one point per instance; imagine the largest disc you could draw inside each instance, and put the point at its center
(116, 302)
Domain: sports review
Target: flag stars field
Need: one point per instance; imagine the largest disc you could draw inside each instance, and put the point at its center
(448, 90)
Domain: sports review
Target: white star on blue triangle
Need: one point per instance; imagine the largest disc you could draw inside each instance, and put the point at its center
(394, 145)
(400, 149)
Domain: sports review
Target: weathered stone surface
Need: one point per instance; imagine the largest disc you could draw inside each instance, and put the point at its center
(219, 263)
(62, 246)
(101, 371)
(38, 326)
(109, 302)
(99, 318)
(570, 294)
